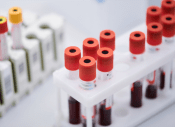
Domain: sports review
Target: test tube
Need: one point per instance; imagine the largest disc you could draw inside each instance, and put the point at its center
(154, 40)
(107, 39)
(87, 75)
(167, 7)
(105, 67)
(3, 39)
(137, 49)
(90, 47)
(168, 23)
(72, 55)
(153, 14)
(15, 17)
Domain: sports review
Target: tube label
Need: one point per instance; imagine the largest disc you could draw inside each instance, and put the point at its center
(83, 111)
(88, 85)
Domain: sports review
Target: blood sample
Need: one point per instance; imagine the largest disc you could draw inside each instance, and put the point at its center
(153, 14)
(107, 39)
(105, 67)
(137, 48)
(87, 75)
(136, 94)
(90, 47)
(168, 23)
(167, 7)
(72, 55)
(15, 17)
(154, 40)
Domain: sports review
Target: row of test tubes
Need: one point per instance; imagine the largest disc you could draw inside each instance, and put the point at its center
(97, 63)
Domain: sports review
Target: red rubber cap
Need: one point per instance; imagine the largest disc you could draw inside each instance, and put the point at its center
(167, 7)
(107, 39)
(90, 47)
(72, 56)
(153, 14)
(3, 25)
(137, 42)
(168, 23)
(105, 59)
(154, 34)
(87, 68)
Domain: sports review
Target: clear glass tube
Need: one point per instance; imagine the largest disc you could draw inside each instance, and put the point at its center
(3, 47)
(105, 109)
(16, 36)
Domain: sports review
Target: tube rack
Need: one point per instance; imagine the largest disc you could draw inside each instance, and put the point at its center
(125, 73)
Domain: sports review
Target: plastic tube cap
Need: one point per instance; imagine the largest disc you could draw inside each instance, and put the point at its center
(72, 56)
(154, 34)
(137, 42)
(87, 68)
(90, 47)
(153, 14)
(105, 59)
(3, 25)
(107, 39)
(168, 23)
(15, 15)
(167, 7)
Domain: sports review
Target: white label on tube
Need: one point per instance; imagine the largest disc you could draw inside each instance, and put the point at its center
(168, 39)
(88, 85)
(83, 111)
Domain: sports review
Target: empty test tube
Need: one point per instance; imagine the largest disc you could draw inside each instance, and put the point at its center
(137, 49)
(72, 55)
(87, 75)
(105, 67)
(15, 17)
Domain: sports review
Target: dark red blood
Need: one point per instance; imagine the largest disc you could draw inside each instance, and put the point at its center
(104, 116)
(74, 111)
(151, 91)
(136, 94)
(162, 80)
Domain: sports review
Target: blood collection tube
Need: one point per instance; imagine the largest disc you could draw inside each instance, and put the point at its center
(3, 39)
(105, 67)
(72, 56)
(87, 75)
(137, 48)
(107, 39)
(168, 23)
(15, 17)
(153, 14)
(167, 7)
(154, 40)
(90, 47)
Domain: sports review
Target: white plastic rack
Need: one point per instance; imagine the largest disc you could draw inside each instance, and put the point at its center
(125, 73)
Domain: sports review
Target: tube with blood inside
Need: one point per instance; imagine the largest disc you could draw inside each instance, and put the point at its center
(105, 67)
(3, 39)
(15, 17)
(87, 75)
(137, 48)
(72, 56)
(168, 23)
(154, 40)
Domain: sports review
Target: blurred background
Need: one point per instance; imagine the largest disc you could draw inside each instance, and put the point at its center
(84, 18)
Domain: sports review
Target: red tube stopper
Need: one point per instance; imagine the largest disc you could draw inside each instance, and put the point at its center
(154, 34)
(3, 25)
(90, 47)
(153, 14)
(87, 68)
(72, 56)
(107, 39)
(168, 23)
(105, 59)
(167, 7)
(137, 42)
